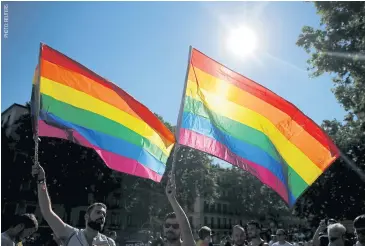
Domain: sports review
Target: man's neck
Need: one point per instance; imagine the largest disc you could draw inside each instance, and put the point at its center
(90, 233)
(173, 243)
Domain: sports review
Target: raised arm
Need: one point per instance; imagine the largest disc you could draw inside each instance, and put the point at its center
(61, 229)
(322, 226)
(187, 235)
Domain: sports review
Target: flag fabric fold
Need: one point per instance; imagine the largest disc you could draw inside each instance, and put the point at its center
(81, 106)
(237, 120)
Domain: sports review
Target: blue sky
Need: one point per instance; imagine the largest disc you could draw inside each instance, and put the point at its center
(143, 47)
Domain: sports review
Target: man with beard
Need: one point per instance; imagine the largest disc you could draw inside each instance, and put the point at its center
(239, 236)
(23, 226)
(254, 230)
(176, 224)
(359, 225)
(70, 236)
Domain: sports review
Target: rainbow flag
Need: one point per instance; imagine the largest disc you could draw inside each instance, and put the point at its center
(79, 105)
(237, 120)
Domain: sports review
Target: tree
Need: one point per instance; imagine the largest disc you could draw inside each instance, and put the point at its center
(338, 48)
(248, 196)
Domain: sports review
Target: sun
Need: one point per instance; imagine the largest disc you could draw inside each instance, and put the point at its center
(242, 41)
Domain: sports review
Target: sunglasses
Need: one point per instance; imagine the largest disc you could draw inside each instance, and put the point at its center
(174, 226)
(332, 239)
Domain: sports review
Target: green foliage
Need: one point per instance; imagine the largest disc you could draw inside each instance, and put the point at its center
(338, 48)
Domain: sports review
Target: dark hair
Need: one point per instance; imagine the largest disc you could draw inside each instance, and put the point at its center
(359, 222)
(255, 223)
(204, 232)
(92, 206)
(28, 220)
(170, 216)
(282, 230)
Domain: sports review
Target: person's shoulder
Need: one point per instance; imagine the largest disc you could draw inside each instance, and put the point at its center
(6, 241)
(288, 244)
(111, 242)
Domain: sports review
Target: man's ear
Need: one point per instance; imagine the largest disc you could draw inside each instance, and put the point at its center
(86, 216)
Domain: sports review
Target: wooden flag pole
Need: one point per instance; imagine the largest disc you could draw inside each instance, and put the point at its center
(178, 125)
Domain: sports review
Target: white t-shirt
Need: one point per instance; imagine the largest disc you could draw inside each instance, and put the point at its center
(77, 238)
(5, 240)
(285, 244)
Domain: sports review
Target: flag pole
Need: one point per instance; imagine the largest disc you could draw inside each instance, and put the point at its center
(179, 118)
(36, 103)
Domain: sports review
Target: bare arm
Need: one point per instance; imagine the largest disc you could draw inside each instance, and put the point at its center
(6, 242)
(321, 227)
(187, 235)
(61, 229)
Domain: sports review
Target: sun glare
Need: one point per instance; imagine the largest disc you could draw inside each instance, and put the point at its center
(242, 41)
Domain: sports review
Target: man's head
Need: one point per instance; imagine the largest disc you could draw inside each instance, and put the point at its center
(336, 235)
(281, 235)
(95, 216)
(253, 229)
(172, 228)
(24, 225)
(359, 225)
(238, 235)
(113, 235)
(205, 234)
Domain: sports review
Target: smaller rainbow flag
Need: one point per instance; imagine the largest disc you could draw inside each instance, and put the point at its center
(237, 120)
(79, 105)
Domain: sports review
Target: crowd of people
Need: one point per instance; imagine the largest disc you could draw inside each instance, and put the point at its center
(176, 228)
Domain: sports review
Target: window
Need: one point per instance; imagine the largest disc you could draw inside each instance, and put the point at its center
(10, 209)
(114, 201)
(230, 223)
(224, 208)
(219, 209)
(225, 223)
(206, 207)
(212, 208)
(219, 222)
(90, 198)
(129, 220)
(118, 219)
(205, 221)
(211, 222)
(82, 217)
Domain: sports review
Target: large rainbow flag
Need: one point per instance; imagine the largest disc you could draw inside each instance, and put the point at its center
(237, 120)
(79, 105)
